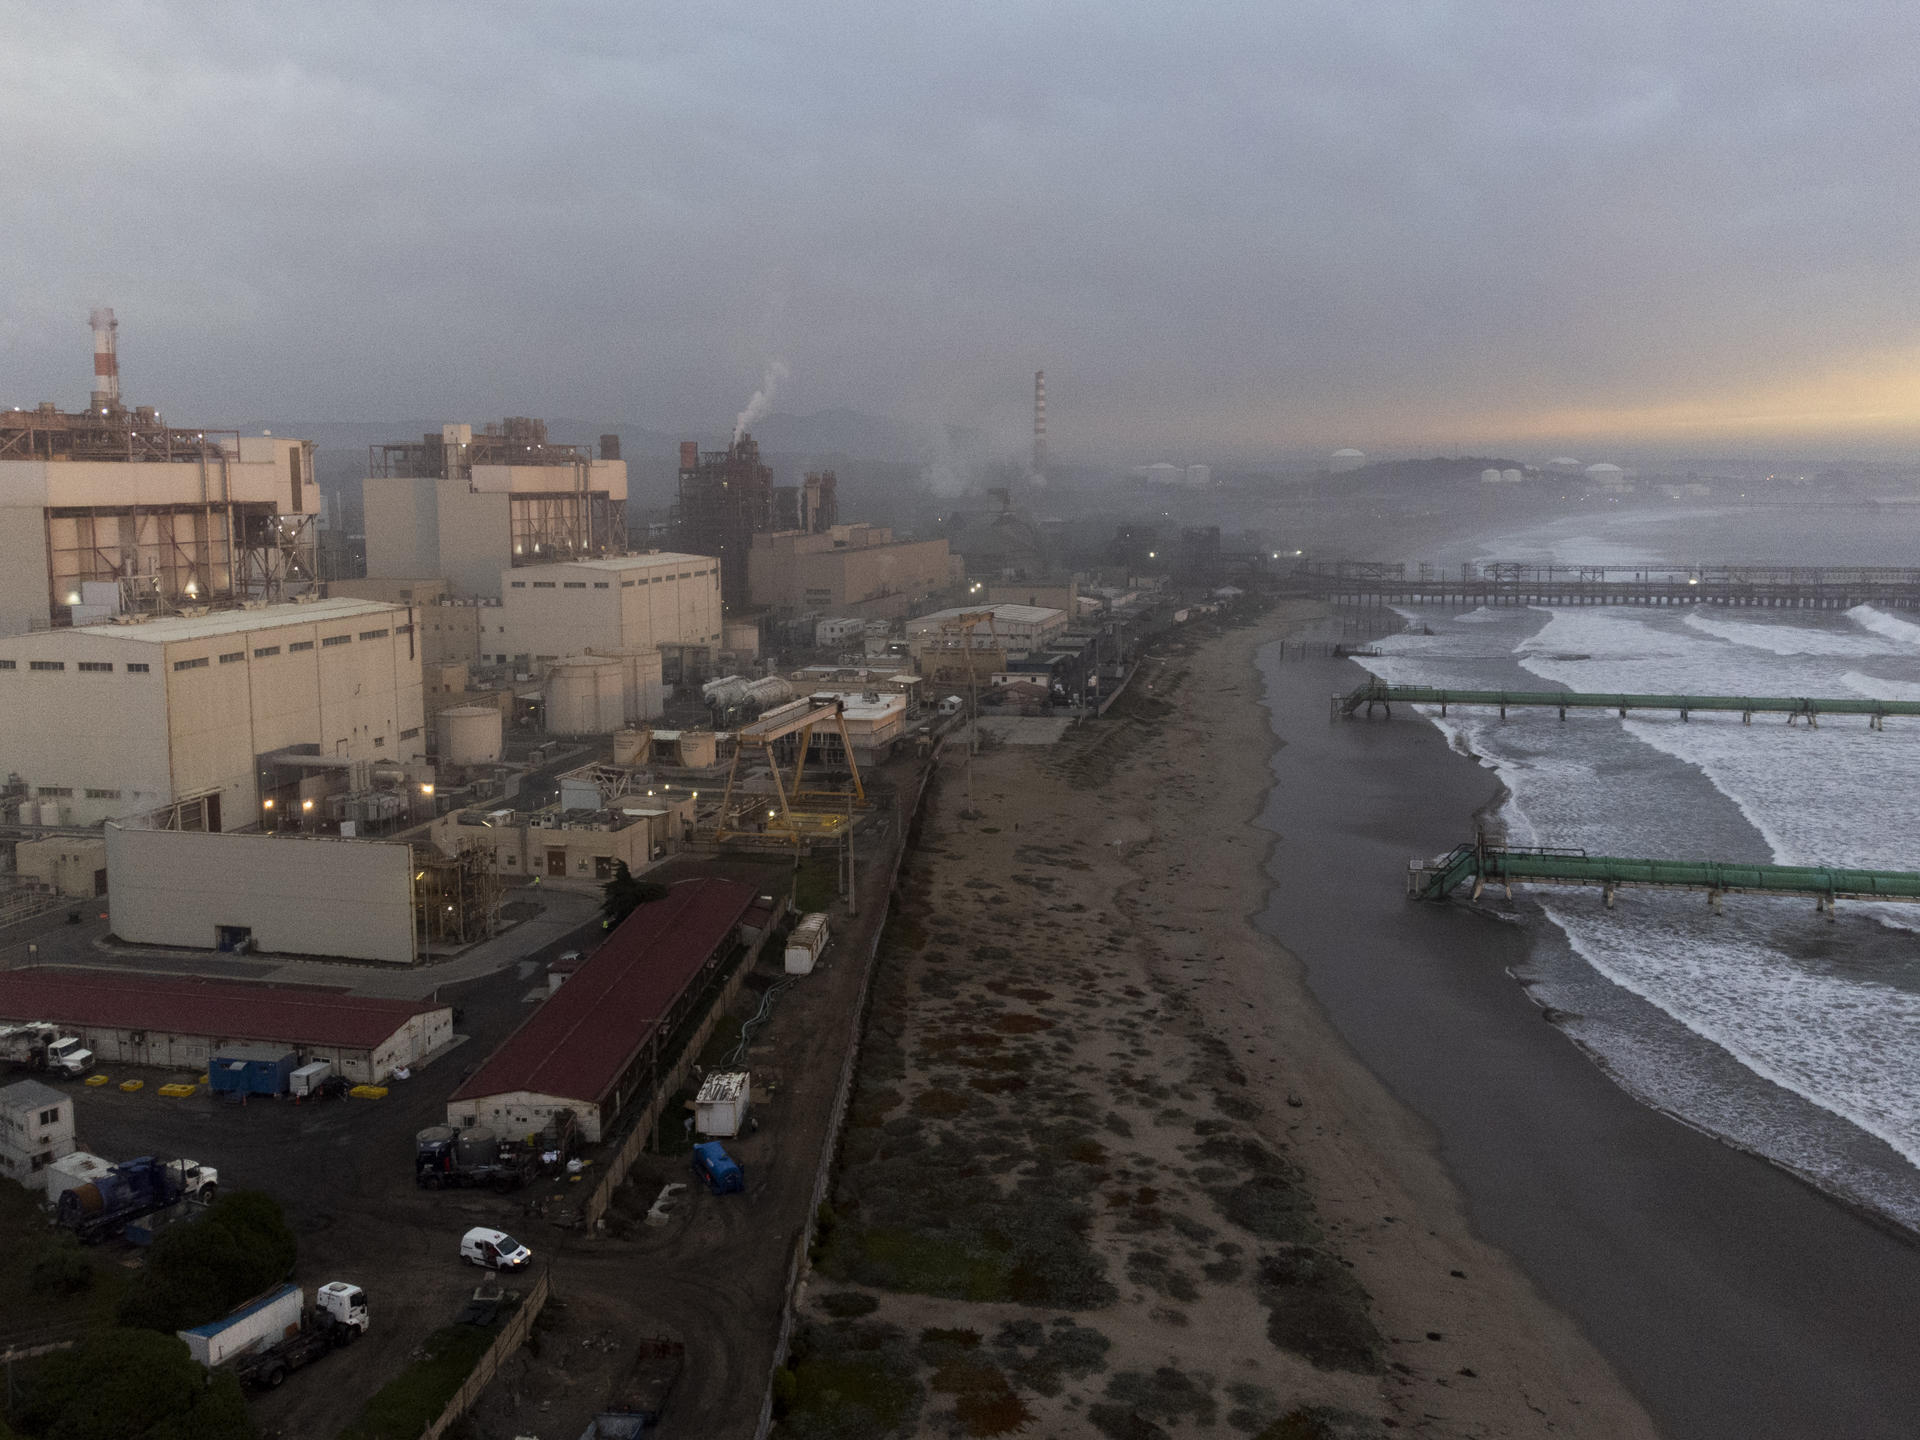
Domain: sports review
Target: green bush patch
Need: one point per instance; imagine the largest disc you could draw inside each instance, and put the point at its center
(1316, 1309)
(409, 1402)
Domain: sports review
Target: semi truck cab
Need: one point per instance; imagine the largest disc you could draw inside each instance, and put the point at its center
(345, 1304)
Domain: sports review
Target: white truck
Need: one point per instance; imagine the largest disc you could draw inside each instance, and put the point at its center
(197, 1181)
(39, 1045)
(267, 1339)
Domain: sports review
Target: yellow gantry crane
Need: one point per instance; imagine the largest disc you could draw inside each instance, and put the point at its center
(791, 818)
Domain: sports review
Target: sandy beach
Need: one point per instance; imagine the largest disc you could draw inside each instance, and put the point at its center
(1109, 1169)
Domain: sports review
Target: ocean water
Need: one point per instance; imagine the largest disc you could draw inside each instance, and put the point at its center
(1773, 1027)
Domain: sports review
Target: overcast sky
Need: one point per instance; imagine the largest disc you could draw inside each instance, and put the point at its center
(1225, 230)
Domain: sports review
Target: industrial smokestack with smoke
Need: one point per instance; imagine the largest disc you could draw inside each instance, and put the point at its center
(762, 399)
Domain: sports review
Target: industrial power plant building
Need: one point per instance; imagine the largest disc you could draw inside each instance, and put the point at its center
(464, 506)
(611, 606)
(219, 721)
(178, 1023)
(594, 1044)
(109, 509)
(850, 570)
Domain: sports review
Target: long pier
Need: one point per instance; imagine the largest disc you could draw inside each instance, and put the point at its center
(1484, 864)
(1362, 582)
(1800, 707)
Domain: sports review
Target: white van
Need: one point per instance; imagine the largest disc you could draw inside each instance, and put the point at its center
(493, 1249)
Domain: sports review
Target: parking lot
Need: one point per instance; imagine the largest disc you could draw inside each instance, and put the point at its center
(713, 1276)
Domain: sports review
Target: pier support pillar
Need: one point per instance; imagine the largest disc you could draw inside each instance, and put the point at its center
(1713, 901)
(1606, 894)
(1563, 712)
(1746, 717)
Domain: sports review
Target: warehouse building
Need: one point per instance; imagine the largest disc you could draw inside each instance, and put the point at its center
(465, 506)
(1016, 629)
(218, 721)
(111, 510)
(181, 1023)
(856, 571)
(593, 1045)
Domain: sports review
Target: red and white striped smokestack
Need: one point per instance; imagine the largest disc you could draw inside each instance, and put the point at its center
(106, 360)
(1039, 422)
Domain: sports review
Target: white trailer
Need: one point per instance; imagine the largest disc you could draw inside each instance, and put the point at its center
(720, 1107)
(267, 1321)
(805, 944)
(308, 1078)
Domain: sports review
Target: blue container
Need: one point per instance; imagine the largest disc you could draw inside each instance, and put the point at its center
(252, 1072)
(718, 1170)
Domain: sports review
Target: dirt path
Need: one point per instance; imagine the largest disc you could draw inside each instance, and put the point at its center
(1108, 1170)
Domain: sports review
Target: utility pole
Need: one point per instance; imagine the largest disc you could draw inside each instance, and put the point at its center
(853, 891)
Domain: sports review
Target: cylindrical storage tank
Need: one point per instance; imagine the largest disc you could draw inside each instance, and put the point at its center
(645, 695)
(586, 695)
(768, 692)
(478, 1146)
(1489, 476)
(1512, 477)
(470, 735)
(724, 693)
(630, 747)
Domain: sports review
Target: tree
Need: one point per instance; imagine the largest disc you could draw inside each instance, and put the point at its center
(133, 1385)
(624, 894)
(199, 1271)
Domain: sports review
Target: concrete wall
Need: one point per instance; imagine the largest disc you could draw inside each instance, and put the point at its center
(346, 898)
(476, 538)
(402, 524)
(65, 864)
(23, 568)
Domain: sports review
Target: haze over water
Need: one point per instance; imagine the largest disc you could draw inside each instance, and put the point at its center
(1768, 1025)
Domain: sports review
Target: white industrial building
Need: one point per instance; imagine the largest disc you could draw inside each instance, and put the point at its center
(466, 507)
(282, 894)
(1016, 629)
(180, 1023)
(609, 607)
(227, 720)
(111, 509)
(36, 1129)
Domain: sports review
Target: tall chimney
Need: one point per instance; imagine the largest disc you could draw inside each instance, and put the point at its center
(1040, 422)
(106, 360)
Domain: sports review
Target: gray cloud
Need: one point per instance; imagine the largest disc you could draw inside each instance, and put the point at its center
(1222, 229)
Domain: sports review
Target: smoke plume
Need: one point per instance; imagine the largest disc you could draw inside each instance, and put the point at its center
(762, 399)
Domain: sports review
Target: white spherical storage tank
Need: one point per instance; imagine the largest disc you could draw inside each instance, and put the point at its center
(470, 735)
(586, 695)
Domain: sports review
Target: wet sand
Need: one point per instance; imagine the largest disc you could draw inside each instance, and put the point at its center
(1732, 1298)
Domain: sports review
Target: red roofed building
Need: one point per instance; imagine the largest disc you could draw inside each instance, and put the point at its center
(181, 1022)
(591, 1046)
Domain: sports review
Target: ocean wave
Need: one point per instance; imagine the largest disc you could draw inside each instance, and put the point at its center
(1784, 638)
(1881, 623)
(1844, 1044)
(1878, 687)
